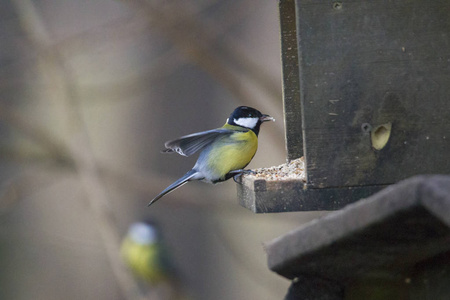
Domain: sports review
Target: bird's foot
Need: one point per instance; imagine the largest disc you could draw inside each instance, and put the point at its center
(240, 173)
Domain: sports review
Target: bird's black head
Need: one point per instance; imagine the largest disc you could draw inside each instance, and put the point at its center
(248, 117)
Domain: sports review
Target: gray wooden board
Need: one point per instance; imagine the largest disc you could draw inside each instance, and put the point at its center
(262, 196)
(432, 279)
(384, 236)
(374, 62)
(291, 86)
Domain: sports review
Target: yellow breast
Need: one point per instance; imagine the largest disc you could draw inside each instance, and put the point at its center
(233, 152)
(143, 261)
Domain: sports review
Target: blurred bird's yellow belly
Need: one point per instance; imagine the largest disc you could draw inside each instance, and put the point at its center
(143, 261)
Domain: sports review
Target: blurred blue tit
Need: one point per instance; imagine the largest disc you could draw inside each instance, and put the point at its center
(224, 152)
(145, 254)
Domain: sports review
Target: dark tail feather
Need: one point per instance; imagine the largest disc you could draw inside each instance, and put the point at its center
(175, 185)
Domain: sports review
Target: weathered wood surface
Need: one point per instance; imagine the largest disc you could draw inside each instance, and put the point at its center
(291, 84)
(370, 63)
(262, 196)
(396, 242)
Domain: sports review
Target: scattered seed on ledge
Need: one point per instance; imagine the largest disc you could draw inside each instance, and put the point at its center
(294, 169)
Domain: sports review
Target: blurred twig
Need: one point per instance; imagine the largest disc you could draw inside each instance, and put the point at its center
(242, 260)
(79, 147)
(213, 34)
(197, 42)
(147, 184)
(204, 43)
(77, 152)
(57, 150)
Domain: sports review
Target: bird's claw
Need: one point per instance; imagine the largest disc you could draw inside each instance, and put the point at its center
(246, 172)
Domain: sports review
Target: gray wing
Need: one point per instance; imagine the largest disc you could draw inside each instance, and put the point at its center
(189, 144)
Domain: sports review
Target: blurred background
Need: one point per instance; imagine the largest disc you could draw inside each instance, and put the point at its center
(89, 93)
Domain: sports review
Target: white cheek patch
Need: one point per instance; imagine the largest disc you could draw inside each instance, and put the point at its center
(246, 122)
(142, 234)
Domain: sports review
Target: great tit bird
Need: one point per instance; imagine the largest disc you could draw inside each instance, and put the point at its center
(224, 152)
(145, 254)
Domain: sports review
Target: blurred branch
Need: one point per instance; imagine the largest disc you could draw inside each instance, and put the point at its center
(244, 262)
(129, 179)
(215, 38)
(211, 39)
(204, 43)
(79, 147)
(57, 150)
(178, 20)
(217, 57)
(159, 68)
(148, 183)
(197, 42)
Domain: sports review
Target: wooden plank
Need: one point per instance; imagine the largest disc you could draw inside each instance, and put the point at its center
(374, 62)
(261, 196)
(291, 86)
(391, 236)
(431, 278)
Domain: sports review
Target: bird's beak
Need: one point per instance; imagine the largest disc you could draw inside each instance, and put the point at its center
(265, 118)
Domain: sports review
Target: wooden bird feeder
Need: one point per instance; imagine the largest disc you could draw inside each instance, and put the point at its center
(393, 245)
(366, 100)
